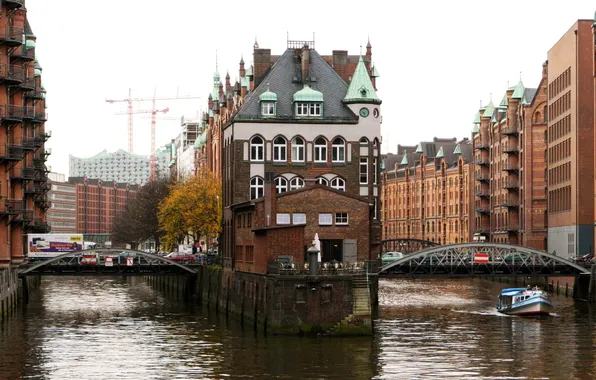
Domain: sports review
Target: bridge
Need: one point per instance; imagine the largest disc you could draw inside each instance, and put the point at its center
(480, 259)
(106, 261)
(406, 245)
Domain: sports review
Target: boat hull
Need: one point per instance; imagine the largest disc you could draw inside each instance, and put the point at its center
(541, 307)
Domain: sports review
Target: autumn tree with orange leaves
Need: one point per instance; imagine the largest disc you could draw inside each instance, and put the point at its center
(192, 208)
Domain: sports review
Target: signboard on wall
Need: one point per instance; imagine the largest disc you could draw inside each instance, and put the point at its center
(52, 245)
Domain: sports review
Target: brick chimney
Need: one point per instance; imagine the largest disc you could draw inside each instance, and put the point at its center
(269, 199)
(262, 63)
(305, 63)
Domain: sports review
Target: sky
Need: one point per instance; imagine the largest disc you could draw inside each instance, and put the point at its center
(437, 59)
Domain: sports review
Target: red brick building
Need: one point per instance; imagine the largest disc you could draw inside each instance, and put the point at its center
(298, 120)
(428, 192)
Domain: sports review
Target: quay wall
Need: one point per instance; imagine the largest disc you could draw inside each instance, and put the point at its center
(9, 290)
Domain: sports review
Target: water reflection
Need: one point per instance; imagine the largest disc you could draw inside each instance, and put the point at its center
(108, 328)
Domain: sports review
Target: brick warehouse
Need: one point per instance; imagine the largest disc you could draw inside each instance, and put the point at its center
(22, 138)
(302, 123)
(428, 192)
(509, 144)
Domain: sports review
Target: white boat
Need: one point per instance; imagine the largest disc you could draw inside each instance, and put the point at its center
(524, 301)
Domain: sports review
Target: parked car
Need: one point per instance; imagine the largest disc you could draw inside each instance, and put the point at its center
(389, 257)
(182, 257)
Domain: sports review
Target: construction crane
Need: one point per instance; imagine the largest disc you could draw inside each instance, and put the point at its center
(130, 112)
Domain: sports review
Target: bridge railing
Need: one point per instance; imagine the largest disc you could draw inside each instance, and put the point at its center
(338, 268)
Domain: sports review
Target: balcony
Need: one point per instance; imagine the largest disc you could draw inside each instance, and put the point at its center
(21, 52)
(11, 153)
(11, 35)
(39, 226)
(511, 228)
(36, 94)
(482, 230)
(13, 4)
(11, 206)
(511, 167)
(511, 149)
(482, 193)
(11, 113)
(509, 130)
(482, 161)
(28, 83)
(39, 140)
(39, 116)
(483, 209)
(482, 177)
(23, 174)
(512, 185)
(12, 74)
(512, 203)
(482, 146)
(24, 216)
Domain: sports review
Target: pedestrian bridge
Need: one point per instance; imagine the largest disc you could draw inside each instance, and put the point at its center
(480, 259)
(105, 261)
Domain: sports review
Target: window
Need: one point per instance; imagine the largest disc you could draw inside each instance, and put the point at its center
(256, 149)
(338, 184)
(308, 109)
(325, 219)
(364, 141)
(299, 218)
(256, 187)
(297, 150)
(339, 150)
(364, 170)
(301, 109)
(283, 218)
(322, 181)
(279, 149)
(268, 108)
(374, 171)
(281, 185)
(341, 218)
(296, 183)
(320, 150)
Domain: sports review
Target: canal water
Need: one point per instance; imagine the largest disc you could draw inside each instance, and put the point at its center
(120, 328)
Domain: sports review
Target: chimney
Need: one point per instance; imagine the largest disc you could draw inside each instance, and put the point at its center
(305, 63)
(262, 63)
(269, 199)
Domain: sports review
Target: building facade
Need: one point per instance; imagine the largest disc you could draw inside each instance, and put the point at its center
(185, 147)
(119, 166)
(62, 214)
(302, 129)
(571, 142)
(428, 192)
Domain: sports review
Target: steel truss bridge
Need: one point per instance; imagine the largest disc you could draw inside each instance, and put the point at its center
(105, 261)
(405, 245)
(481, 259)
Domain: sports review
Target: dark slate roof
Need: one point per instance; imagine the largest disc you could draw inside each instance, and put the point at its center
(529, 94)
(28, 30)
(280, 81)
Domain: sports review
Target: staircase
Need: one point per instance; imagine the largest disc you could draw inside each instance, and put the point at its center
(361, 309)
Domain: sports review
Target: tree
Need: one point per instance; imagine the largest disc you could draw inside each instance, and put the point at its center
(139, 222)
(192, 207)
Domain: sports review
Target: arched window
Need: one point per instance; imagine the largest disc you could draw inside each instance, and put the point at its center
(363, 141)
(256, 149)
(297, 150)
(322, 181)
(279, 149)
(256, 187)
(296, 183)
(320, 150)
(338, 150)
(281, 185)
(338, 184)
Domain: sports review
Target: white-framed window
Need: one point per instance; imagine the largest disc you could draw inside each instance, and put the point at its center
(364, 141)
(281, 185)
(280, 147)
(257, 149)
(320, 150)
(325, 219)
(338, 184)
(338, 150)
(296, 183)
(257, 187)
(323, 181)
(363, 170)
(298, 218)
(374, 174)
(341, 218)
(268, 108)
(298, 149)
(301, 109)
(283, 218)
(308, 109)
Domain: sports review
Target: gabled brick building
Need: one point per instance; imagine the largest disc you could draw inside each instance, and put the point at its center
(297, 121)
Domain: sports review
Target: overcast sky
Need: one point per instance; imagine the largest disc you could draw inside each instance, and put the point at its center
(437, 59)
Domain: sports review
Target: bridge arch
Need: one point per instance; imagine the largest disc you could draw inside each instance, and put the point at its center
(479, 259)
(406, 245)
(83, 262)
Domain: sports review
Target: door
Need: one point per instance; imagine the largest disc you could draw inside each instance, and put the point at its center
(350, 252)
(331, 250)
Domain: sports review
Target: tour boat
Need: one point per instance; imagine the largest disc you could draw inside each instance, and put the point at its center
(524, 301)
